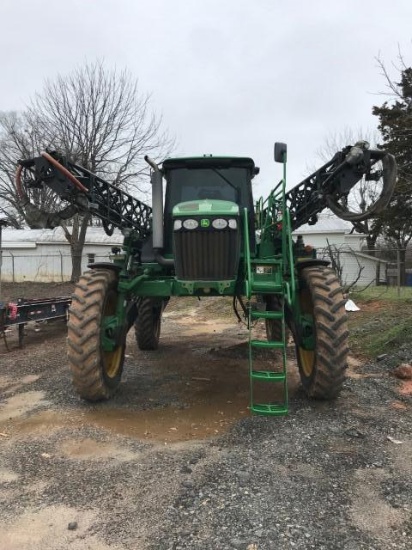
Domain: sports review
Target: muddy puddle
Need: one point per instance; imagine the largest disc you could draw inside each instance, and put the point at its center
(168, 425)
(194, 387)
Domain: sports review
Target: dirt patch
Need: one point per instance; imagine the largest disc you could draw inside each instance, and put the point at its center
(7, 476)
(47, 528)
(398, 405)
(369, 511)
(406, 388)
(21, 404)
(371, 306)
(30, 290)
(89, 449)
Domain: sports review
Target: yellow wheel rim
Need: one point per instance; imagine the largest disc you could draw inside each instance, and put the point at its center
(307, 361)
(306, 356)
(112, 361)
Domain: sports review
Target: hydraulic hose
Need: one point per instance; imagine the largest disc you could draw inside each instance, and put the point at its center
(389, 181)
(58, 166)
(36, 217)
(65, 172)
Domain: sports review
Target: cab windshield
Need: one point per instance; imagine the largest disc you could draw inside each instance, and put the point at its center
(186, 184)
(227, 183)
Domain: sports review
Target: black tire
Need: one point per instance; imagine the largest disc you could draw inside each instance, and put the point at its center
(322, 369)
(96, 373)
(274, 326)
(148, 324)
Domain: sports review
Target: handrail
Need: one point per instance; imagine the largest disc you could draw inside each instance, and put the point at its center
(287, 243)
(248, 279)
(292, 289)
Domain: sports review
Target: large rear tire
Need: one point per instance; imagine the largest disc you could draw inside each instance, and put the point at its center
(274, 326)
(322, 369)
(96, 372)
(148, 324)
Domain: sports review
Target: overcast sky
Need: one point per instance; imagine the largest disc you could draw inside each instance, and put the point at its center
(228, 76)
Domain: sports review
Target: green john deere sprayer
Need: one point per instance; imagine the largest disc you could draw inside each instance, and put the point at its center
(209, 238)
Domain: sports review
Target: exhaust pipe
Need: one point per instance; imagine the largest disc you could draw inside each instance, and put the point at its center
(157, 213)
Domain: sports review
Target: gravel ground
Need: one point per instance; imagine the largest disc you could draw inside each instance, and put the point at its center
(174, 461)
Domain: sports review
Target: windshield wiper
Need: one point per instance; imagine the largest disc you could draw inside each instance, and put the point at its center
(224, 178)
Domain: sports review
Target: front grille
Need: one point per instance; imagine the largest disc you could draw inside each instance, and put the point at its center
(206, 255)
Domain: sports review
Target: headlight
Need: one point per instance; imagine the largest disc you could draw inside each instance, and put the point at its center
(233, 224)
(190, 224)
(219, 223)
(177, 225)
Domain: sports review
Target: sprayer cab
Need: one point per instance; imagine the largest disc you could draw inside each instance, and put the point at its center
(198, 231)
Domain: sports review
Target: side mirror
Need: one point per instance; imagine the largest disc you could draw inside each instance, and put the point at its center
(280, 151)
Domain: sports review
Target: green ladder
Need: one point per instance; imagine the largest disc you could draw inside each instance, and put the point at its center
(270, 282)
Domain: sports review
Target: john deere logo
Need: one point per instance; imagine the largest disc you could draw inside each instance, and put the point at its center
(204, 223)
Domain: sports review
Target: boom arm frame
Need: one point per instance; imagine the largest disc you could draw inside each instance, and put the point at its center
(85, 192)
(334, 180)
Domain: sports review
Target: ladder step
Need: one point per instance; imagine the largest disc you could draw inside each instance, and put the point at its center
(267, 314)
(266, 261)
(267, 344)
(266, 287)
(265, 283)
(269, 410)
(268, 375)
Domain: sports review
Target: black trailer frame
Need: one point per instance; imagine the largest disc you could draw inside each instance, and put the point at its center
(38, 309)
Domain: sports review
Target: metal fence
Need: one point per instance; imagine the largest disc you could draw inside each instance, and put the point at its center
(43, 268)
(381, 266)
(389, 267)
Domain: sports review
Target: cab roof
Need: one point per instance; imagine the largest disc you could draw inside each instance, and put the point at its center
(210, 161)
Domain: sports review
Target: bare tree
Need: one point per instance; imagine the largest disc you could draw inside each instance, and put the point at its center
(393, 89)
(96, 117)
(336, 256)
(17, 140)
(334, 141)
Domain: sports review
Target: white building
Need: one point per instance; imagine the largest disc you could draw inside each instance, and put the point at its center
(332, 229)
(43, 255)
(347, 247)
